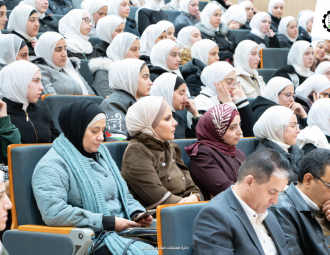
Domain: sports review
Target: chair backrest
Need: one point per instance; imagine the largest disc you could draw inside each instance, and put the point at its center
(57, 16)
(273, 58)
(248, 145)
(239, 34)
(175, 227)
(202, 5)
(117, 150)
(132, 12)
(94, 40)
(266, 74)
(85, 72)
(172, 14)
(184, 143)
(56, 102)
(8, 14)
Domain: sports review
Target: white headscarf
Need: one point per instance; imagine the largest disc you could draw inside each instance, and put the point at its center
(214, 73)
(183, 40)
(165, 24)
(245, 3)
(272, 124)
(317, 82)
(206, 14)
(9, 48)
(201, 49)
(272, 4)
(283, 27)
(149, 37)
(33, 4)
(305, 17)
(69, 27)
(295, 58)
(316, 42)
(18, 20)
(321, 68)
(319, 115)
(235, 13)
(160, 53)
(128, 82)
(141, 116)
(184, 5)
(119, 47)
(14, 86)
(45, 49)
(274, 87)
(107, 26)
(312, 135)
(242, 57)
(163, 86)
(255, 22)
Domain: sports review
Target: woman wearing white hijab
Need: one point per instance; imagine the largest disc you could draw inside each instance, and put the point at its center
(279, 91)
(235, 16)
(276, 9)
(75, 27)
(249, 9)
(173, 88)
(187, 37)
(261, 32)
(165, 57)
(121, 8)
(287, 32)
(128, 89)
(204, 53)
(21, 93)
(305, 24)
(213, 28)
(300, 59)
(24, 22)
(47, 22)
(125, 45)
(320, 53)
(190, 14)
(148, 14)
(246, 64)
(151, 125)
(59, 74)
(151, 36)
(169, 27)
(12, 48)
(220, 84)
(97, 10)
(277, 129)
(324, 68)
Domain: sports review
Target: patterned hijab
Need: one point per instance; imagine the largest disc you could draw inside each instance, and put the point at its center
(211, 128)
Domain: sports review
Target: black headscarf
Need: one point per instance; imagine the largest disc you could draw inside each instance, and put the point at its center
(2, 3)
(74, 119)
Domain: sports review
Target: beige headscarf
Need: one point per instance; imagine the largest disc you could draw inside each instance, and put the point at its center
(144, 116)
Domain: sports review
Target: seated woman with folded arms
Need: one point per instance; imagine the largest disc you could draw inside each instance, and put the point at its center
(152, 165)
(90, 192)
(58, 73)
(215, 160)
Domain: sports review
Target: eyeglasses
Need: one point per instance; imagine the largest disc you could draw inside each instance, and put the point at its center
(322, 181)
(296, 126)
(233, 85)
(288, 95)
(88, 21)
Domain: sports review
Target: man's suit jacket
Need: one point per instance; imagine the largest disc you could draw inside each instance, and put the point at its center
(222, 227)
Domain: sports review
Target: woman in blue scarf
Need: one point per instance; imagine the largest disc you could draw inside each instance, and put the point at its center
(77, 183)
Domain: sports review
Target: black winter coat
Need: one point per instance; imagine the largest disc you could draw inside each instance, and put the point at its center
(101, 49)
(309, 146)
(36, 124)
(182, 131)
(148, 17)
(29, 44)
(303, 35)
(191, 73)
(93, 54)
(269, 42)
(145, 59)
(225, 40)
(246, 26)
(48, 23)
(284, 41)
(156, 71)
(295, 155)
(131, 27)
(61, 7)
(286, 70)
(275, 23)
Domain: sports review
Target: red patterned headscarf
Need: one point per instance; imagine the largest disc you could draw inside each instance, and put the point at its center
(211, 128)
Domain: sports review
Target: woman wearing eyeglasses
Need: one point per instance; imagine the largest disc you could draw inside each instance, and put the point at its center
(277, 129)
(279, 91)
(75, 27)
(221, 87)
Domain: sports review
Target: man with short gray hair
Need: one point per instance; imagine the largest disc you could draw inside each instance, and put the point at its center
(237, 221)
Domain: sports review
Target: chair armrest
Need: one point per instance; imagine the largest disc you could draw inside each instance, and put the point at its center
(45, 229)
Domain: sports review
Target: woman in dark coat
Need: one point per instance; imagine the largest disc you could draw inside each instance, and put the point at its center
(288, 32)
(248, 7)
(275, 10)
(189, 16)
(212, 28)
(215, 160)
(21, 94)
(305, 24)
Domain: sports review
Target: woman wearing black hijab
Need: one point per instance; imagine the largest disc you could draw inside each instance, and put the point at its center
(90, 191)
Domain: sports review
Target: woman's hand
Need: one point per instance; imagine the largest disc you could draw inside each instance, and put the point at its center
(191, 199)
(145, 222)
(114, 35)
(325, 58)
(298, 110)
(316, 96)
(270, 33)
(33, 43)
(326, 209)
(233, 25)
(238, 92)
(3, 109)
(191, 107)
(122, 224)
(198, 15)
(224, 95)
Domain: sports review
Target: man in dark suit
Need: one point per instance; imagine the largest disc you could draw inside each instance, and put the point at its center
(302, 208)
(237, 221)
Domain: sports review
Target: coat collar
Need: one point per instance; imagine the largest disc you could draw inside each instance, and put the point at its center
(296, 198)
(223, 29)
(151, 142)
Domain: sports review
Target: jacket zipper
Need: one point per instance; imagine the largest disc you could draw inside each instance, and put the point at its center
(28, 119)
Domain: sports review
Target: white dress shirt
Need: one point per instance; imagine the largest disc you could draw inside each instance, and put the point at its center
(262, 233)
